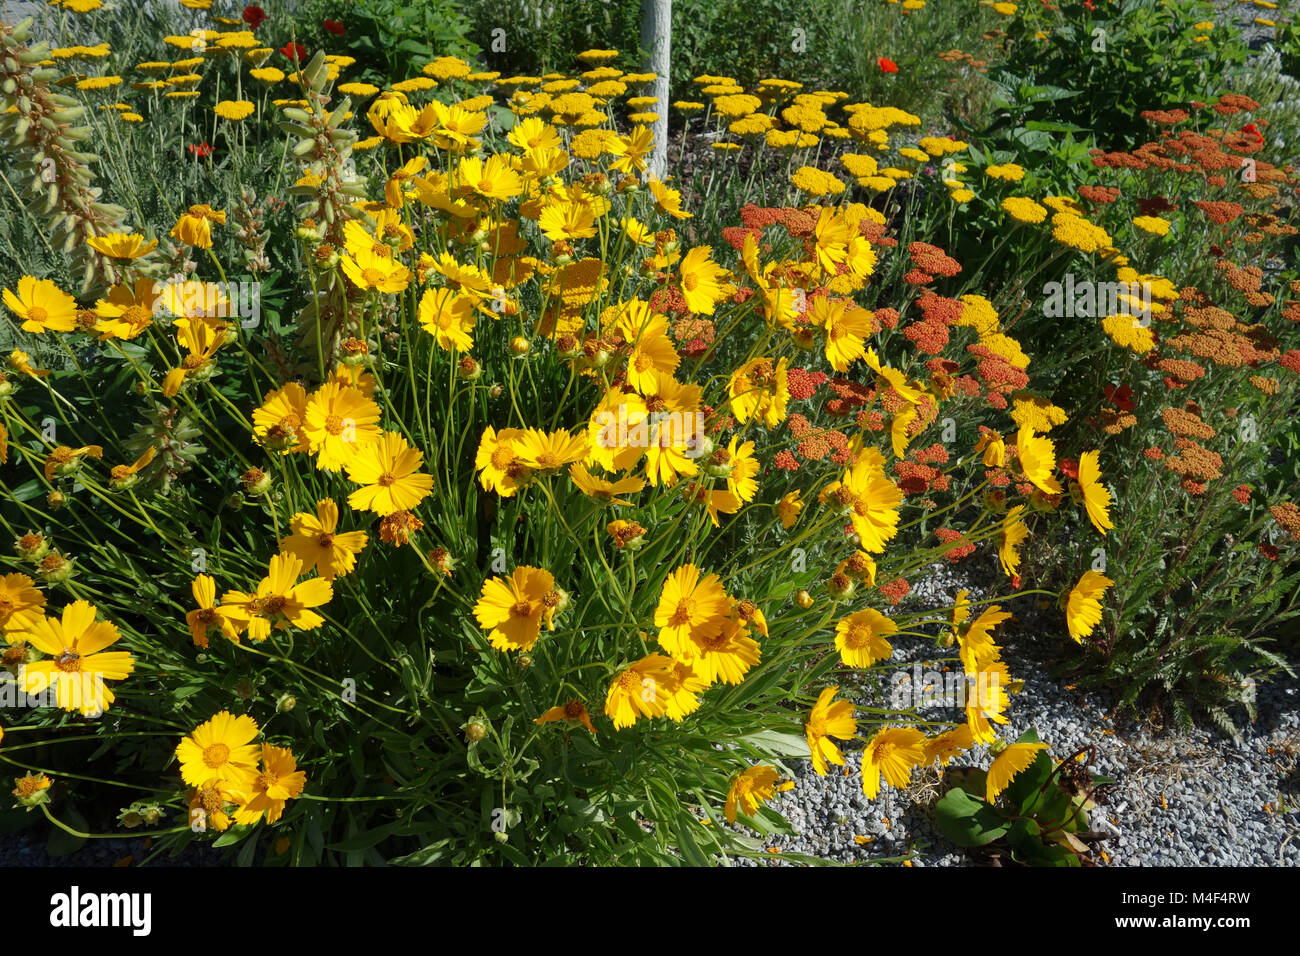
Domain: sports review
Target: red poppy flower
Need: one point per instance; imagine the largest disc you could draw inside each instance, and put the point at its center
(887, 65)
(294, 51)
(200, 150)
(254, 16)
(334, 26)
(1122, 397)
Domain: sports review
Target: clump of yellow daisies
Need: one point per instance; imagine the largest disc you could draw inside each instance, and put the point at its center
(515, 256)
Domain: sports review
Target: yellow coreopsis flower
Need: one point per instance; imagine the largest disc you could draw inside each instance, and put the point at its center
(64, 460)
(1038, 460)
(220, 753)
(21, 362)
(279, 781)
(684, 700)
(368, 269)
(725, 656)
(860, 638)
(602, 489)
(127, 311)
(279, 423)
(124, 476)
(395, 187)
(209, 616)
(42, 306)
(22, 606)
(1096, 497)
(994, 449)
(893, 752)
(534, 133)
(891, 377)
(631, 150)
(200, 342)
(788, 508)
(898, 430)
(194, 228)
(338, 420)
(976, 641)
(874, 500)
(671, 453)
(749, 791)
(448, 316)
(740, 467)
(498, 463)
(388, 468)
(1005, 766)
(668, 200)
(567, 221)
(1083, 604)
(701, 280)
(613, 431)
(847, 327)
(513, 609)
(76, 641)
(318, 543)
(986, 700)
(652, 356)
(120, 245)
(280, 600)
(948, 744)
(690, 608)
(548, 451)
(574, 712)
(829, 720)
(758, 390)
(1014, 532)
(642, 690)
(492, 178)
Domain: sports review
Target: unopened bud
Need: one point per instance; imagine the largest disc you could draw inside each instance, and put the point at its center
(475, 730)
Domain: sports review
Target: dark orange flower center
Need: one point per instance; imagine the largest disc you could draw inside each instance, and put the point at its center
(682, 615)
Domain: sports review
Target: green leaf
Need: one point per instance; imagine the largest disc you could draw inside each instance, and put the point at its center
(60, 842)
(1054, 127)
(1025, 837)
(362, 841)
(425, 856)
(1027, 783)
(233, 835)
(775, 743)
(690, 850)
(967, 821)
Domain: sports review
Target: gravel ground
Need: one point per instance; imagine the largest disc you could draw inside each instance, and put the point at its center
(27, 849)
(1242, 15)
